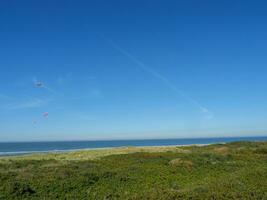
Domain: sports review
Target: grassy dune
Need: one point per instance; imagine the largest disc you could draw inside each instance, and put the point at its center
(223, 171)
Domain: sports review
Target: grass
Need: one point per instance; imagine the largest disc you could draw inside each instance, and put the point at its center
(222, 171)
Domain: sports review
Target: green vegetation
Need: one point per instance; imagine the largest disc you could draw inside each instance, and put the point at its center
(223, 171)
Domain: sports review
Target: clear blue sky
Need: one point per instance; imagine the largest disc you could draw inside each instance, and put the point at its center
(132, 69)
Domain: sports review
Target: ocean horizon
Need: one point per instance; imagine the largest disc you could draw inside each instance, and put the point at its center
(17, 148)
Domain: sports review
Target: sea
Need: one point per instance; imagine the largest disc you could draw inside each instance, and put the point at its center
(17, 148)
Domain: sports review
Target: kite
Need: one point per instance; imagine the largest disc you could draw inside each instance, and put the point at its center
(39, 84)
(45, 114)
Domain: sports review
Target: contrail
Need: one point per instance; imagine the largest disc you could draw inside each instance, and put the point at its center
(162, 78)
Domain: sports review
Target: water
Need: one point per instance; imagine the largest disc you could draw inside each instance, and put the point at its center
(15, 148)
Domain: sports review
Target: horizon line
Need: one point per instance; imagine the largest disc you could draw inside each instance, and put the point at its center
(133, 139)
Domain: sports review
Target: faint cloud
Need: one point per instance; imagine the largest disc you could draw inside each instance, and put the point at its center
(60, 80)
(84, 116)
(4, 97)
(29, 103)
(95, 93)
(65, 78)
(91, 94)
(209, 115)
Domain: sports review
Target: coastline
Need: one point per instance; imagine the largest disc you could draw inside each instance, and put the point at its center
(93, 153)
(29, 148)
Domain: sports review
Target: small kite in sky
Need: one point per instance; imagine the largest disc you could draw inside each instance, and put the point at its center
(38, 84)
(45, 114)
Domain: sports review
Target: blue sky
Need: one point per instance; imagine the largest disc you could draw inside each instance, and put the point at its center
(132, 69)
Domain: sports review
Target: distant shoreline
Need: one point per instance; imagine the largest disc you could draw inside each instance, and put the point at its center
(19, 148)
(7, 154)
